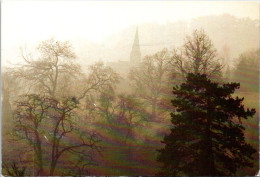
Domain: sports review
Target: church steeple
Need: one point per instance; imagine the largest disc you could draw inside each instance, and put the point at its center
(135, 55)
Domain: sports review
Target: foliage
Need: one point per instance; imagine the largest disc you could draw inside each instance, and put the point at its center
(247, 71)
(122, 113)
(207, 132)
(130, 114)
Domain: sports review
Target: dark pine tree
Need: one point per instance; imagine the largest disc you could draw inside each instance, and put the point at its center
(207, 137)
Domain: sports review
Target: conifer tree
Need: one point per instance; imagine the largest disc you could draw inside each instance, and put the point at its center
(207, 137)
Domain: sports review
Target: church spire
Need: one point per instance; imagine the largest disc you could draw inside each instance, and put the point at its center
(135, 55)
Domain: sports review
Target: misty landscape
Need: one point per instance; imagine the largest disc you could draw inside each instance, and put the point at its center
(139, 95)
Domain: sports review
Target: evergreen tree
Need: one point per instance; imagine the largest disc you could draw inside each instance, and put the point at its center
(207, 137)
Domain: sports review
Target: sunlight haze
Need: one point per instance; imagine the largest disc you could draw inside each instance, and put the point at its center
(130, 88)
(28, 22)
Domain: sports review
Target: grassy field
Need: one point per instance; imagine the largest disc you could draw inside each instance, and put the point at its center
(138, 155)
(141, 159)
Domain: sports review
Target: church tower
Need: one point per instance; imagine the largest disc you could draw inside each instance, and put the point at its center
(135, 55)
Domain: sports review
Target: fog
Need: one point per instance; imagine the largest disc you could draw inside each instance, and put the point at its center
(131, 88)
(94, 24)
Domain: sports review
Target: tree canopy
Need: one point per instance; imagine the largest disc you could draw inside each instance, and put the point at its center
(246, 71)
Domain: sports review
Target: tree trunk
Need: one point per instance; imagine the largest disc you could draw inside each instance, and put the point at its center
(208, 157)
(154, 116)
(197, 65)
(53, 166)
(39, 154)
(55, 80)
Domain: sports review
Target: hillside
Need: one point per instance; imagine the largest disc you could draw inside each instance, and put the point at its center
(225, 31)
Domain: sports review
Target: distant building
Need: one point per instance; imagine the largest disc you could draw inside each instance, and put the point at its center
(135, 55)
(123, 67)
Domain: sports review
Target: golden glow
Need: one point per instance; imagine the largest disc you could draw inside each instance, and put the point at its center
(30, 22)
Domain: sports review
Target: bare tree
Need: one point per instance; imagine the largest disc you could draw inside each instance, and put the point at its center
(130, 113)
(99, 77)
(56, 60)
(43, 119)
(12, 169)
(29, 114)
(197, 55)
(125, 110)
(225, 55)
(122, 115)
(226, 60)
(56, 73)
(151, 79)
(9, 91)
(65, 127)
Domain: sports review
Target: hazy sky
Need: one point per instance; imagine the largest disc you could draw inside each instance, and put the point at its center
(29, 21)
